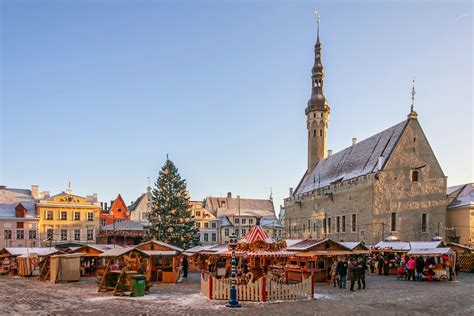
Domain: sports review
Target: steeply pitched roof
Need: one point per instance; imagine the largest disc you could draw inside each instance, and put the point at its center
(354, 161)
(127, 225)
(10, 198)
(135, 204)
(219, 206)
(464, 197)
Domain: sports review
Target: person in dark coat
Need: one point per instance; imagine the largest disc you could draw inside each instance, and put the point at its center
(420, 266)
(185, 265)
(341, 269)
(361, 267)
(380, 265)
(352, 268)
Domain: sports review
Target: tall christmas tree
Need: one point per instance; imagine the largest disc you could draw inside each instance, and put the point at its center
(170, 216)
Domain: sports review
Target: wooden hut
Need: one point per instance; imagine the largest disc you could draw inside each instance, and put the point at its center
(197, 260)
(315, 257)
(91, 263)
(24, 261)
(465, 256)
(164, 260)
(65, 267)
(121, 265)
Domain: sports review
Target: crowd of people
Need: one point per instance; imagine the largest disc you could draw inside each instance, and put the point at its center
(353, 269)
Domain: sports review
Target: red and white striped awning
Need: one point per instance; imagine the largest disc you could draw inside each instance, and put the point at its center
(257, 234)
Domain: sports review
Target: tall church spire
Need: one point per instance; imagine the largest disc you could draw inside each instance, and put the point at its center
(317, 111)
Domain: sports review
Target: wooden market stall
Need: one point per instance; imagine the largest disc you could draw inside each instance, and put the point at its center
(197, 260)
(440, 260)
(465, 256)
(24, 261)
(315, 257)
(165, 264)
(91, 262)
(121, 265)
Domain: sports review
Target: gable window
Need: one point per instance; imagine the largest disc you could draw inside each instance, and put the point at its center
(415, 175)
(77, 216)
(49, 215)
(354, 223)
(423, 222)
(20, 234)
(7, 234)
(77, 234)
(90, 216)
(63, 216)
(32, 234)
(63, 234)
(394, 222)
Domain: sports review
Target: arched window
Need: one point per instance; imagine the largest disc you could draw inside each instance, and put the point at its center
(415, 175)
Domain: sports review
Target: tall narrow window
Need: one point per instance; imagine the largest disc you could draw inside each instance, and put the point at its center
(423, 222)
(343, 223)
(320, 132)
(329, 225)
(314, 133)
(394, 222)
(354, 223)
(415, 175)
(304, 228)
(324, 227)
(338, 224)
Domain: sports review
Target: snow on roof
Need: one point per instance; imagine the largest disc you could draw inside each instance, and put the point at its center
(305, 244)
(215, 249)
(162, 243)
(270, 221)
(354, 161)
(291, 242)
(160, 252)
(465, 196)
(431, 251)
(351, 245)
(127, 225)
(219, 206)
(116, 252)
(196, 249)
(408, 245)
(44, 251)
(10, 198)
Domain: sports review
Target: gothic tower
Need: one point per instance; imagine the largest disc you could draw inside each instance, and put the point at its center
(317, 112)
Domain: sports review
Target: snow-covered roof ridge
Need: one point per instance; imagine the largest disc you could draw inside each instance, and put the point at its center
(10, 198)
(464, 198)
(357, 160)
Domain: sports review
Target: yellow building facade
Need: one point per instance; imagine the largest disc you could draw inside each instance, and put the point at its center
(68, 218)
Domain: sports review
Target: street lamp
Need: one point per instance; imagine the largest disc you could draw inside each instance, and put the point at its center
(233, 302)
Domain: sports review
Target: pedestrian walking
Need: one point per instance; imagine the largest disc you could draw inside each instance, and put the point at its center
(185, 265)
(342, 273)
(352, 273)
(420, 266)
(380, 265)
(334, 273)
(361, 267)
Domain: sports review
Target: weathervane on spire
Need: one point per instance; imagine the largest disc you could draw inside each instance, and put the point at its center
(317, 20)
(413, 114)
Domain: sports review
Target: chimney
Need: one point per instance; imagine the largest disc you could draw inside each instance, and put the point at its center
(291, 191)
(105, 206)
(354, 141)
(229, 195)
(34, 191)
(329, 152)
(102, 205)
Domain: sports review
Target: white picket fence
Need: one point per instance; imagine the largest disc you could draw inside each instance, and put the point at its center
(262, 290)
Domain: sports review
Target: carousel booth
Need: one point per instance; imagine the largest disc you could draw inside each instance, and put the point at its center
(439, 262)
(315, 257)
(165, 263)
(260, 254)
(91, 262)
(121, 265)
(24, 261)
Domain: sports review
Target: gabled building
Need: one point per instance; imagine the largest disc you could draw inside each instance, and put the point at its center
(140, 209)
(390, 182)
(68, 219)
(18, 218)
(460, 214)
(117, 212)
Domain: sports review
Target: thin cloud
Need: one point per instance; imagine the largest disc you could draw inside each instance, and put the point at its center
(462, 16)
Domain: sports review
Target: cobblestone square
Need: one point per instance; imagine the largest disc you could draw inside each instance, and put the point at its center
(383, 296)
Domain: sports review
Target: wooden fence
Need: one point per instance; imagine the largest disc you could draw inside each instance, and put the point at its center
(262, 290)
(466, 260)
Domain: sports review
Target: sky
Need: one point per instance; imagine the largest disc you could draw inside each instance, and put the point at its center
(98, 92)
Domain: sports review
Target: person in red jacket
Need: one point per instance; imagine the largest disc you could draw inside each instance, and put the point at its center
(411, 265)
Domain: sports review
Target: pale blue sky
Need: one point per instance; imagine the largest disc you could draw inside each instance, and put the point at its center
(97, 92)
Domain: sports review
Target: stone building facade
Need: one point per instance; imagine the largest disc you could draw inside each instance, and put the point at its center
(389, 183)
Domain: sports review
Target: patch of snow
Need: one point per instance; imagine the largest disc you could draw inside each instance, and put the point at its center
(319, 296)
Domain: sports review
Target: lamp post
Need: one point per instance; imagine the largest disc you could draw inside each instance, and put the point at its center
(233, 302)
